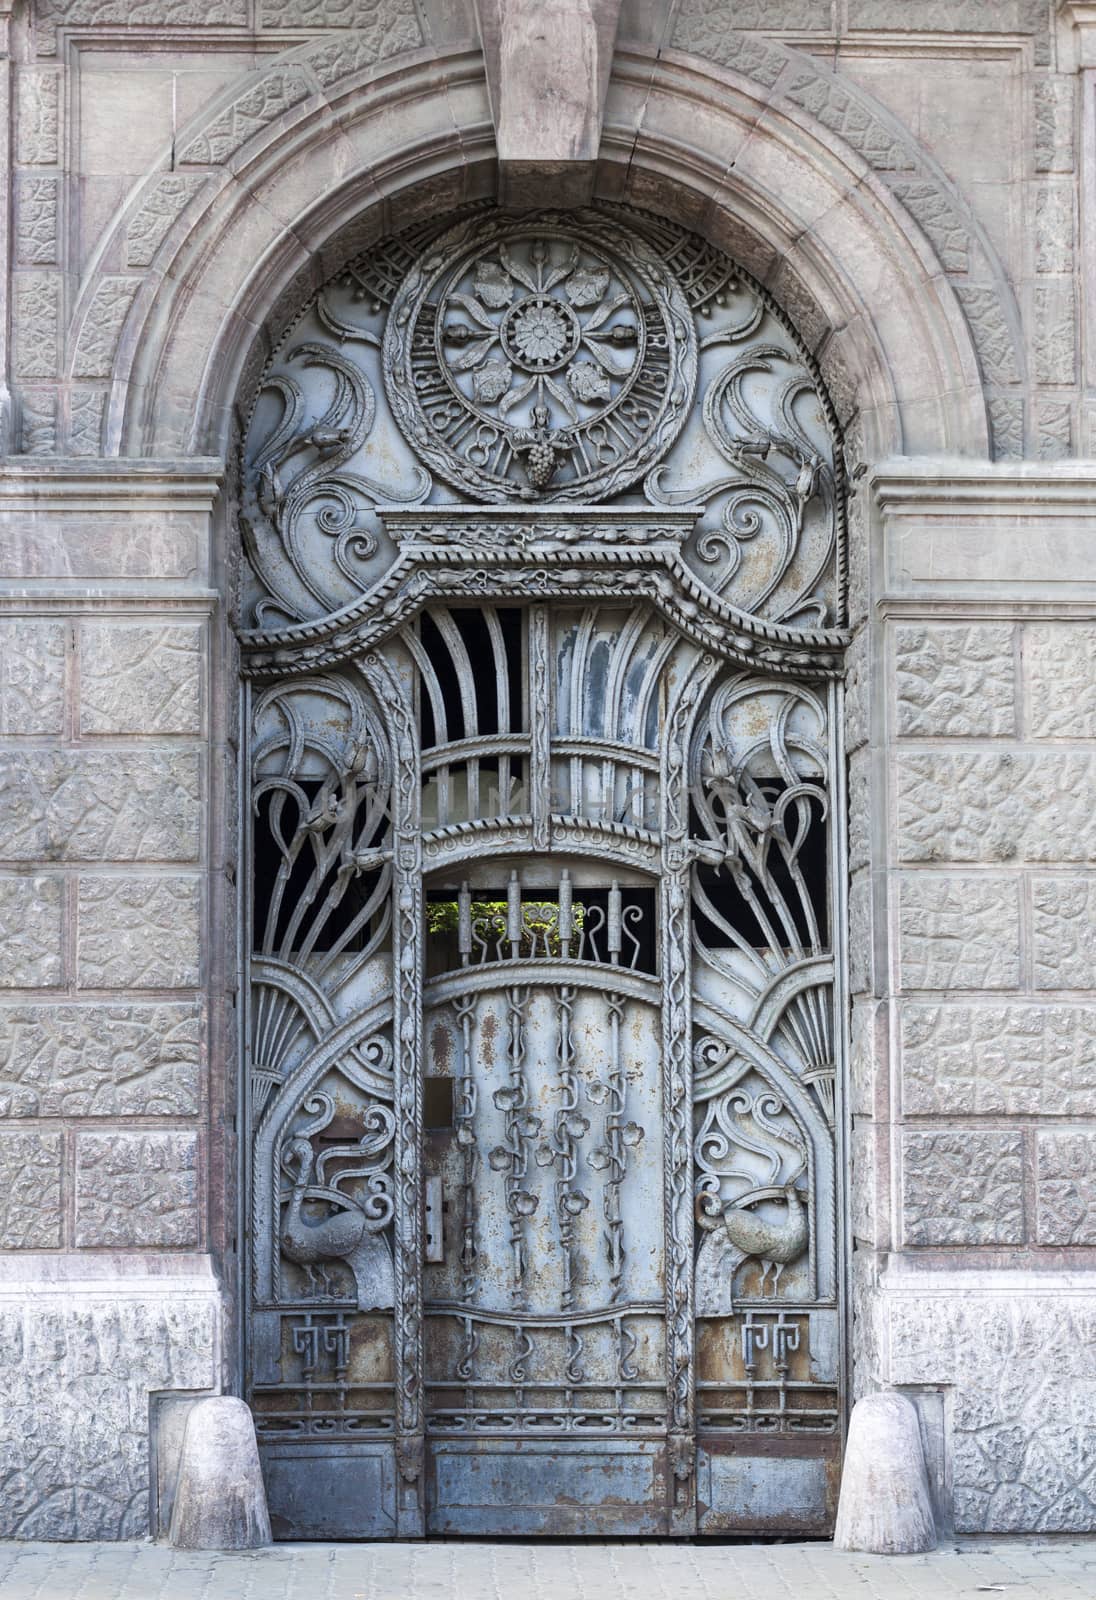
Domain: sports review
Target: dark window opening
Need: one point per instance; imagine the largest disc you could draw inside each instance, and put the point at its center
(781, 898)
(475, 634)
(333, 900)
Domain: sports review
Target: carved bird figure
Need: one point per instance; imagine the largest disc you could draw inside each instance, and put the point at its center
(735, 1235)
(346, 1236)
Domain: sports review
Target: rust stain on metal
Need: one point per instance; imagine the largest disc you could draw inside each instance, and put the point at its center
(441, 1045)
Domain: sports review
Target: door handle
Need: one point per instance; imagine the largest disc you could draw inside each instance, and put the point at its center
(434, 1231)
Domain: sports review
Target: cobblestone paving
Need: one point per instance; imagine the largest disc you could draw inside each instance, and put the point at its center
(1020, 1570)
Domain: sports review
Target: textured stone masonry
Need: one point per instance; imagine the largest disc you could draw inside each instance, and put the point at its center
(140, 678)
(970, 706)
(136, 1189)
(954, 680)
(958, 932)
(100, 1060)
(998, 1060)
(138, 933)
(32, 676)
(962, 1187)
(81, 805)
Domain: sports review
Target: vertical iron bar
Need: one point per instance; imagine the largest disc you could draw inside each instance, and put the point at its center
(407, 970)
(540, 726)
(675, 898)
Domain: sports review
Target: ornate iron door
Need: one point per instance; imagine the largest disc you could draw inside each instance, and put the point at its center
(543, 816)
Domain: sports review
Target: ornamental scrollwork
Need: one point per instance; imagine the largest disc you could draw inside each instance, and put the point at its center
(542, 361)
(541, 608)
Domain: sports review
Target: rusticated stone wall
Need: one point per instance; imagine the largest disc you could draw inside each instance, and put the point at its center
(107, 1295)
(974, 1029)
(82, 1359)
(102, 850)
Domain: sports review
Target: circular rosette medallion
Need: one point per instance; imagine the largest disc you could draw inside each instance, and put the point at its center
(540, 355)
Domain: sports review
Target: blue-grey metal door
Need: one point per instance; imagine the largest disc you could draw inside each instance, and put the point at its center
(544, 894)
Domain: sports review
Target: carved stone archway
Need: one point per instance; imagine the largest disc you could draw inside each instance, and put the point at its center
(821, 199)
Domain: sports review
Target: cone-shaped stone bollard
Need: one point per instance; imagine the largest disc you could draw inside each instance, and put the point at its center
(220, 1502)
(885, 1506)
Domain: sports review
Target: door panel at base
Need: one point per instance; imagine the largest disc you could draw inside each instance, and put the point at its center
(547, 1486)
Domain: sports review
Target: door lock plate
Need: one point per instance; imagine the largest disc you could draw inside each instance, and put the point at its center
(435, 1236)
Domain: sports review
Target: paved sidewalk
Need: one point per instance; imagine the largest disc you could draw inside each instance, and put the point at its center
(1049, 1569)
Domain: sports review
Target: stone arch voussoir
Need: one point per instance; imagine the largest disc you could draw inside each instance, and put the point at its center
(825, 200)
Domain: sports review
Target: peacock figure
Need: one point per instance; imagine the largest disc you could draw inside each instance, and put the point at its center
(348, 1235)
(734, 1234)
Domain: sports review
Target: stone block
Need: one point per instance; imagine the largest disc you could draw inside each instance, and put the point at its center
(1054, 124)
(1021, 1382)
(32, 675)
(1064, 933)
(220, 1500)
(140, 678)
(99, 545)
(30, 1191)
(1006, 417)
(954, 680)
(958, 933)
(998, 1060)
(962, 1187)
(1054, 227)
(885, 1505)
(1054, 336)
(100, 1060)
(1054, 430)
(36, 300)
(37, 102)
(102, 327)
(997, 806)
(266, 97)
(37, 220)
(861, 953)
(868, 1058)
(30, 932)
(992, 333)
(158, 212)
(39, 421)
(860, 809)
(864, 1181)
(82, 805)
(138, 933)
(87, 408)
(80, 1366)
(1060, 677)
(857, 683)
(1065, 1187)
(954, 16)
(135, 1189)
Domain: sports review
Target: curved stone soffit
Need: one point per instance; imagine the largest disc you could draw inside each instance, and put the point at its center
(169, 206)
(943, 216)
